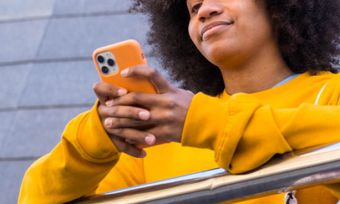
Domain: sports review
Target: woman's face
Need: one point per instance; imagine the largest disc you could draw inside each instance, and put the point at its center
(229, 31)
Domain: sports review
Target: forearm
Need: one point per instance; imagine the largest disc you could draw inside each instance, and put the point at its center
(271, 131)
(309, 125)
(74, 168)
(60, 178)
(244, 133)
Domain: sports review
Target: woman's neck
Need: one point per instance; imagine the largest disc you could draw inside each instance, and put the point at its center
(259, 73)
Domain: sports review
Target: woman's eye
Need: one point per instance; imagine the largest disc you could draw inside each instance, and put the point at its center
(195, 8)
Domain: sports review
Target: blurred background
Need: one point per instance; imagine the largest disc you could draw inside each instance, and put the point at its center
(46, 72)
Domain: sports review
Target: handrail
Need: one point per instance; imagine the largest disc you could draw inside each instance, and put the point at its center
(289, 172)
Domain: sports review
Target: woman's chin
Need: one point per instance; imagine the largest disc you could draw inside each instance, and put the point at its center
(219, 58)
(218, 52)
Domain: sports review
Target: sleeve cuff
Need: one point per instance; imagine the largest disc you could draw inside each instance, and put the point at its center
(95, 144)
(208, 125)
(205, 117)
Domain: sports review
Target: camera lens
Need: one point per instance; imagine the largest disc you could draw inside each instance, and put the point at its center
(100, 59)
(105, 70)
(111, 62)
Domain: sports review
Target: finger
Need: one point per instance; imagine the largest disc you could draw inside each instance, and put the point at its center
(164, 133)
(138, 99)
(160, 83)
(125, 112)
(139, 146)
(138, 137)
(113, 123)
(129, 149)
(106, 91)
(130, 141)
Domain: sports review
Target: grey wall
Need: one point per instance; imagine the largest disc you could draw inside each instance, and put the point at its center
(46, 72)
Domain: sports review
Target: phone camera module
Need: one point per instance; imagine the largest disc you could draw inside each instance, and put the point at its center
(111, 62)
(100, 59)
(105, 70)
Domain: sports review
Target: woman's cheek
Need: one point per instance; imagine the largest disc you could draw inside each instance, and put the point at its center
(193, 30)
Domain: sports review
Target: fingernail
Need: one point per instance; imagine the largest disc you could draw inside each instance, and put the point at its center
(108, 122)
(150, 139)
(109, 103)
(144, 115)
(121, 92)
(125, 72)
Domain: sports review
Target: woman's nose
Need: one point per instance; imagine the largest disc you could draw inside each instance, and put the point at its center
(209, 9)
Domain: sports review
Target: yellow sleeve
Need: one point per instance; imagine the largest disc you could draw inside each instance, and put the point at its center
(245, 133)
(76, 166)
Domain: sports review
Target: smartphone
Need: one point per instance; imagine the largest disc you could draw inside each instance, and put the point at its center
(112, 59)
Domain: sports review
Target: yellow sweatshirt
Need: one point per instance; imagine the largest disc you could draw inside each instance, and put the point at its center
(238, 133)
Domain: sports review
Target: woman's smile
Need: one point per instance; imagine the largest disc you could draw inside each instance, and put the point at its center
(214, 28)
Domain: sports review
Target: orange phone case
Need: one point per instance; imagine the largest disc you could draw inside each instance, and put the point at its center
(124, 54)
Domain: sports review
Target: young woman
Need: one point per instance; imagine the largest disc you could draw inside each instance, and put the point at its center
(263, 74)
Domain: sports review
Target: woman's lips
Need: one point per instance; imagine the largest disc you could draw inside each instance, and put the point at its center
(214, 27)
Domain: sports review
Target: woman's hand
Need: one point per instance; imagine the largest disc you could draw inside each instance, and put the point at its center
(122, 122)
(165, 112)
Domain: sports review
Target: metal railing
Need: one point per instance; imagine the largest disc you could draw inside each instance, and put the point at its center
(289, 172)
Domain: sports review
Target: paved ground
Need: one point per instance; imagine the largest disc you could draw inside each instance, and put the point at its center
(47, 74)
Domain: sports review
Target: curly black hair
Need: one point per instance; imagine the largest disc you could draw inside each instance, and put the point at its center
(307, 32)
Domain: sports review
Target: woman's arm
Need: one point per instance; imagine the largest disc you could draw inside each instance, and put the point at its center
(78, 165)
(244, 133)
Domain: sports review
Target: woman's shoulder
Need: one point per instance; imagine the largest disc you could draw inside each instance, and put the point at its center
(330, 88)
(320, 79)
(328, 78)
